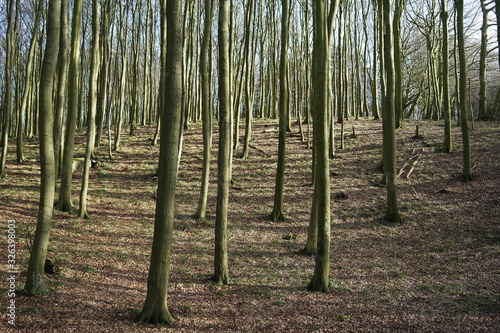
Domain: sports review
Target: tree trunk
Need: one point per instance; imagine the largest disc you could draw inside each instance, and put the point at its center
(206, 108)
(64, 202)
(448, 143)
(249, 66)
(221, 272)
(122, 41)
(27, 83)
(94, 72)
(103, 75)
(389, 151)
(464, 122)
(9, 65)
(284, 107)
(35, 284)
(398, 68)
(482, 63)
(155, 308)
(320, 280)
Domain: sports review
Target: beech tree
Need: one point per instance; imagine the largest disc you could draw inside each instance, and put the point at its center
(389, 118)
(464, 119)
(448, 143)
(94, 72)
(155, 308)
(284, 107)
(64, 202)
(321, 16)
(221, 271)
(206, 107)
(35, 284)
(9, 65)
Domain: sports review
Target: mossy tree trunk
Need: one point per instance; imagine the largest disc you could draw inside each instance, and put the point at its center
(155, 308)
(321, 277)
(35, 284)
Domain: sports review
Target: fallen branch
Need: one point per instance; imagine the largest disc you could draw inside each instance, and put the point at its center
(257, 148)
(412, 166)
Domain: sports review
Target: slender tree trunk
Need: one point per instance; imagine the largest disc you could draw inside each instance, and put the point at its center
(376, 47)
(35, 284)
(482, 63)
(94, 72)
(221, 272)
(103, 75)
(9, 65)
(389, 155)
(155, 308)
(398, 68)
(206, 108)
(249, 66)
(448, 143)
(277, 214)
(61, 87)
(464, 122)
(27, 83)
(122, 40)
(321, 280)
(64, 202)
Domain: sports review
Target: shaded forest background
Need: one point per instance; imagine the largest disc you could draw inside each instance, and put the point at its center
(328, 70)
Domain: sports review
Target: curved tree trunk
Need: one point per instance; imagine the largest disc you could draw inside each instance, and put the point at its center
(35, 283)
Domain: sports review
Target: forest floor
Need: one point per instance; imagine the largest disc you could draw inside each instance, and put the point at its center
(439, 271)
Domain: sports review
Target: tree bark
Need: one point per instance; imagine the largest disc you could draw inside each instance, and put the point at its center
(206, 108)
(277, 214)
(155, 308)
(320, 280)
(94, 73)
(9, 65)
(64, 202)
(448, 143)
(27, 83)
(464, 121)
(482, 63)
(221, 272)
(35, 284)
(389, 139)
